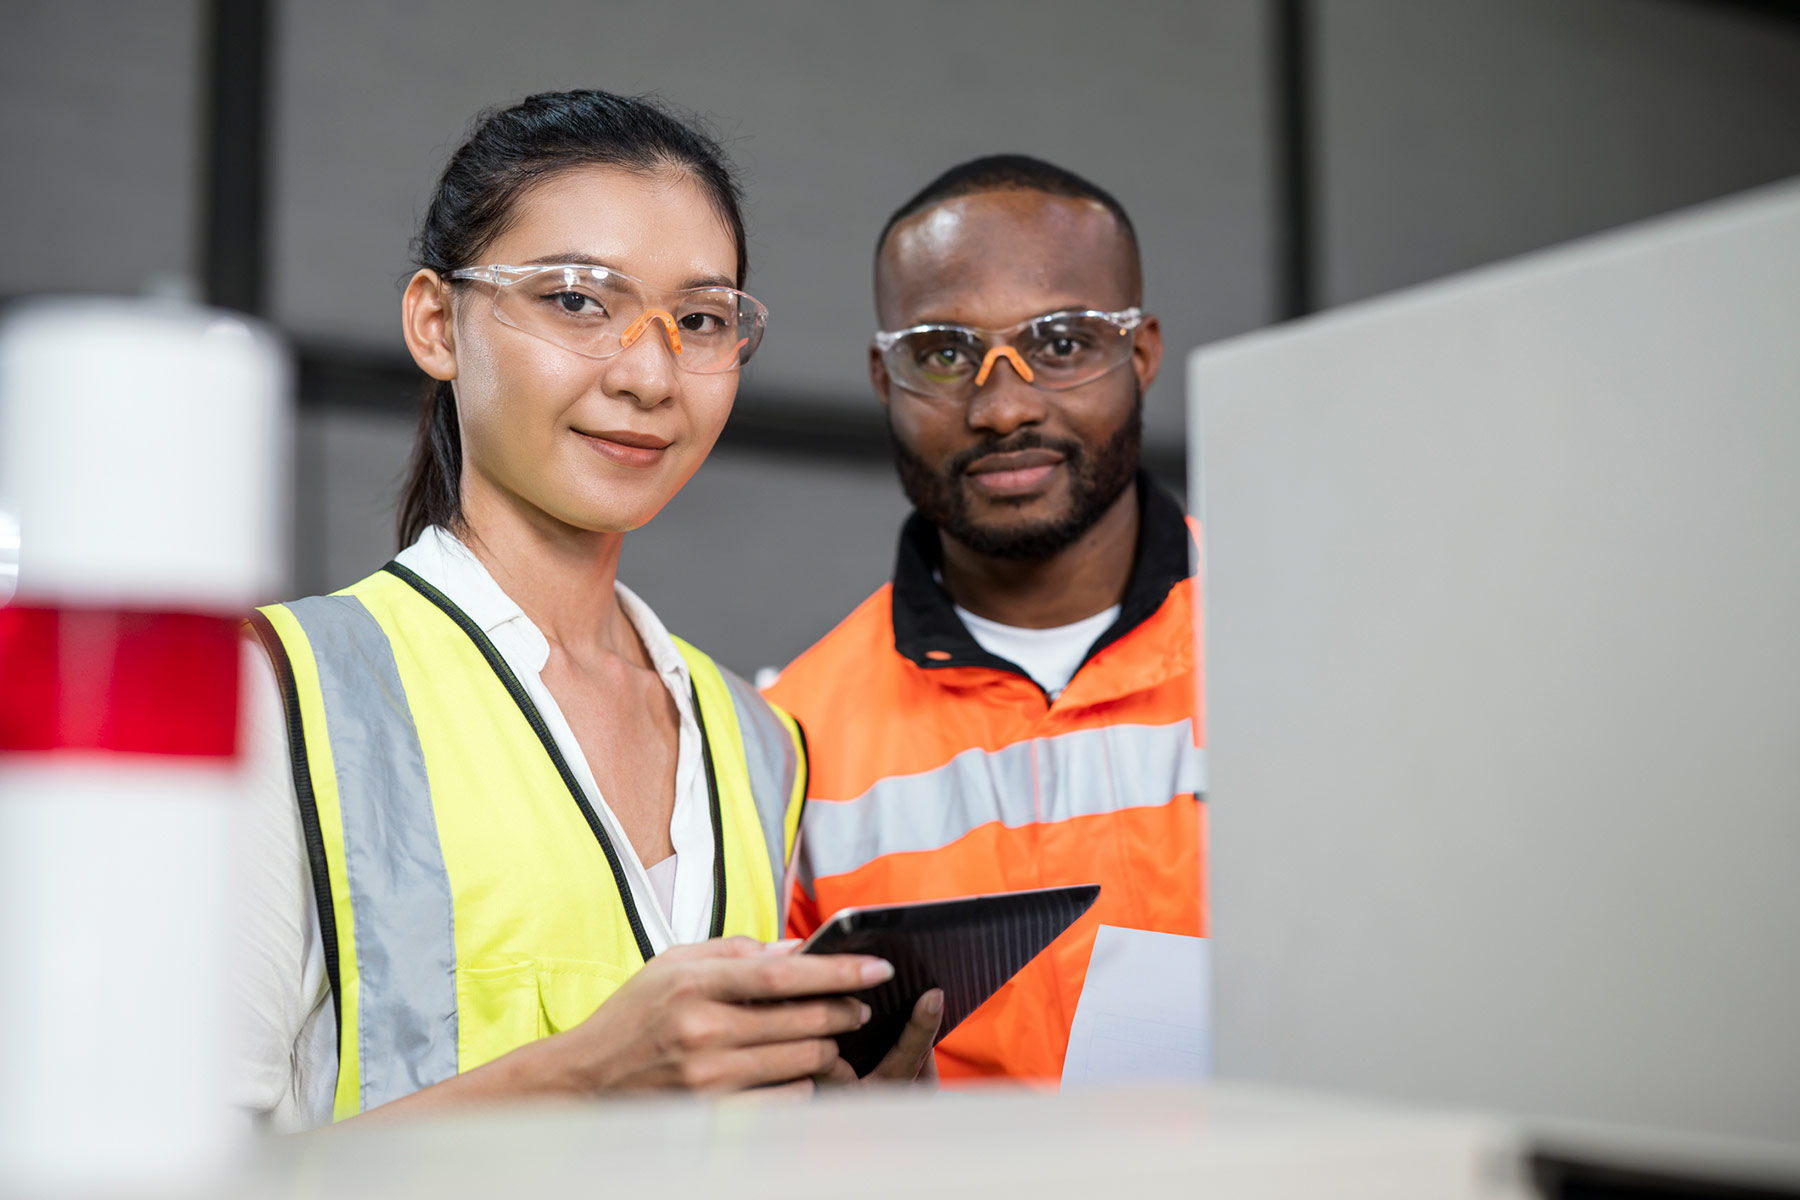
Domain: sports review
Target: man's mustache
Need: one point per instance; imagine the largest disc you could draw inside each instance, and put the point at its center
(1069, 449)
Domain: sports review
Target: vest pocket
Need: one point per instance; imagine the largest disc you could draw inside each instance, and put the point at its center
(504, 1004)
(569, 990)
(496, 1009)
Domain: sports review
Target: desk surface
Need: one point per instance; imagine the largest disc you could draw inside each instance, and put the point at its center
(1142, 1142)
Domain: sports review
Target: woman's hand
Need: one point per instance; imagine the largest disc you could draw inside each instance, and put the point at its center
(718, 1016)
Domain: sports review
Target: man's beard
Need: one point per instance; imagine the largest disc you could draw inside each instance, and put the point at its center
(1096, 481)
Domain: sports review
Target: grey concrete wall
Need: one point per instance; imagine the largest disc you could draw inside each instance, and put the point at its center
(836, 112)
(348, 471)
(99, 137)
(759, 557)
(1457, 132)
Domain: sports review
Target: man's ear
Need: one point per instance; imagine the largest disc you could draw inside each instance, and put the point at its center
(878, 375)
(1146, 352)
(425, 321)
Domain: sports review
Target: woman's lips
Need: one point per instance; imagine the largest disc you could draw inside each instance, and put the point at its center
(626, 448)
(1016, 474)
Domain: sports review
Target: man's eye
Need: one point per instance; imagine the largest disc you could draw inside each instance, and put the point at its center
(1062, 347)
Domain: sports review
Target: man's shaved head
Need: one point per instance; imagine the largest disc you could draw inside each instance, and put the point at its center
(1014, 173)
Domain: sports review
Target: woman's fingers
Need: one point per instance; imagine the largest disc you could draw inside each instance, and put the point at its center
(765, 976)
(794, 1089)
(761, 1066)
(907, 1059)
(794, 1020)
(838, 1074)
(736, 946)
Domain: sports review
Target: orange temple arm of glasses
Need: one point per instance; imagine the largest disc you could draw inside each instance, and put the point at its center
(987, 364)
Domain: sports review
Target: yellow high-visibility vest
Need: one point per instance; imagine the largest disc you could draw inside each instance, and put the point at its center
(470, 900)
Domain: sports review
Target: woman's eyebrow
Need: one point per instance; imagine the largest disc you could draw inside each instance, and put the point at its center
(578, 259)
(573, 257)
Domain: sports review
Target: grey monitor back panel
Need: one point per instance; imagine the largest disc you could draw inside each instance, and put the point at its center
(1503, 671)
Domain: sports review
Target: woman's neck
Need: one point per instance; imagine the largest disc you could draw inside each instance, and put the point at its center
(560, 576)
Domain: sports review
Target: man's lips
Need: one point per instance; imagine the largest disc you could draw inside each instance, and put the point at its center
(1014, 473)
(626, 447)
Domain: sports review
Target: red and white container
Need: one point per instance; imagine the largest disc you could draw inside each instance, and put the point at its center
(144, 456)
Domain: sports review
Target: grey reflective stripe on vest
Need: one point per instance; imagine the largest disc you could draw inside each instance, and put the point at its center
(393, 863)
(1042, 780)
(773, 762)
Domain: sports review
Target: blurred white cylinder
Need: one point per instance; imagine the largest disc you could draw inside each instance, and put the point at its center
(144, 450)
(141, 445)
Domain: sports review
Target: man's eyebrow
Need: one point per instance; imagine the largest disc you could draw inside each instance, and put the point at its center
(1072, 306)
(576, 258)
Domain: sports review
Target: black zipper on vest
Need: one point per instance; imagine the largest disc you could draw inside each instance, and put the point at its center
(718, 820)
(536, 720)
(309, 807)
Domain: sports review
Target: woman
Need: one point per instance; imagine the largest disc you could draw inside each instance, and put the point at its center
(506, 814)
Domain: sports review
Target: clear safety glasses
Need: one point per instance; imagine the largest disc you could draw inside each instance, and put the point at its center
(1057, 351)
(598, 312)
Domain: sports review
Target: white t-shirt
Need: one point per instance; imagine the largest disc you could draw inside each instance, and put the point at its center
(285, 1063)
(1050, 656)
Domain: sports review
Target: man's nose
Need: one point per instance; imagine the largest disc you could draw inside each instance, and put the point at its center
(1006, 402)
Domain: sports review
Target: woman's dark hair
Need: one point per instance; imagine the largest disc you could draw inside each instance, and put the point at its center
(509, 150)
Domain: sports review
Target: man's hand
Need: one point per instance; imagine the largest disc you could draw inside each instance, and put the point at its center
(911, 1060)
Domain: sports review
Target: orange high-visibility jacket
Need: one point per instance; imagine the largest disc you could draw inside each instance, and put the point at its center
(939, 769)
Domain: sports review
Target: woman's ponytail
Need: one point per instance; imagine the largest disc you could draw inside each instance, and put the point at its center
(433, 491)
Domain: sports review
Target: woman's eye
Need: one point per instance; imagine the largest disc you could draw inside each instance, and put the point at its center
(575, 303)
(701, 323)
(1063, 347)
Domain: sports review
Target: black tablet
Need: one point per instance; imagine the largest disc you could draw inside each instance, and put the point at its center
(969, 947)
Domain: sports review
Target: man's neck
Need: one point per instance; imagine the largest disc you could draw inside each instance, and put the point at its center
(1086, 577)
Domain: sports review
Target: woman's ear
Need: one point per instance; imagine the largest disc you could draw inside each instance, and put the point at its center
(425, 321)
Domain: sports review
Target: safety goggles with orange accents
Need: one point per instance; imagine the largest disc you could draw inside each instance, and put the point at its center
(598, 312)
(1056, 351)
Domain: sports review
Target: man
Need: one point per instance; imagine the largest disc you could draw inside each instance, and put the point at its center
(1018, 708)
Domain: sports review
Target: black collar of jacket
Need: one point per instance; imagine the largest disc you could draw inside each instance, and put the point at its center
(928, 632)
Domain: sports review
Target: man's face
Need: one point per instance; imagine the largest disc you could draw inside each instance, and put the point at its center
(1016, 471)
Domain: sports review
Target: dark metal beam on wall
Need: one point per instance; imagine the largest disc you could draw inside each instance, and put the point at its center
(1291, 84)
(235, 164)
(1786, 12)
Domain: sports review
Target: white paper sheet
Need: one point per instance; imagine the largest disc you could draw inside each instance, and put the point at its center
(1144, 1010)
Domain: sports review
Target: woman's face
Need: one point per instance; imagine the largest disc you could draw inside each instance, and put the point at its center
(598, 444)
